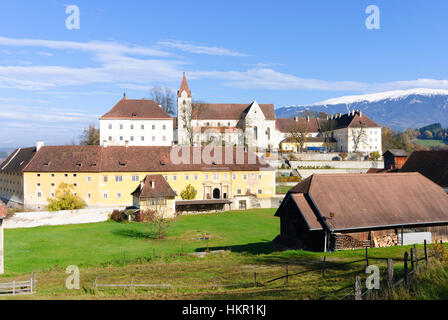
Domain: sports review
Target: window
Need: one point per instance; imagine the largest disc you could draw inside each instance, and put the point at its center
(166, 178)
(105, 195)
(164, 127)
(260, 177)
(75, 184)
(216, 176)
(52, 175)
(105, 179)
(226, 176)
(135, 178)
(110, 126)
(234, 176)
(143, 127)
(206, 177)
(118, 178)
(260, 191)
(153, 127)
(195, 177)
(75, 175)
(38, 174)
(52, 195)
(65, 175)
(132, 127)
(89, 196)
(121, 138)
(153, 138)
(143, 138)
(132, 138)
(238, 191)
(89, 179)
(110, 138)
(174, 178)
(39, 194)
(121, 127)
(164, 138)
(118, 195)
(187, 177)
(52, 184)
(38, 184)
(244, 176)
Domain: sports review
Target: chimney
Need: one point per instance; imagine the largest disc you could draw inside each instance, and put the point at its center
(153, 184)
(360, 113)
(142, 184)
(126, 143)
(105, 143)
(39, 144)
(308, 118)
(296, 118)
(160, 106)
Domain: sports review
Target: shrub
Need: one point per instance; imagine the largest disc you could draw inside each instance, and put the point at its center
(343, 155)
(65, 199)
(374, 155)
(144, 216)
(189, 193)
(289, 179)
(118, 216)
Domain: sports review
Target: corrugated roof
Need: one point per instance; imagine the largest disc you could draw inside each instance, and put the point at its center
(136, 109)
(154, 186)
(431, 164)
(357, 201)
(140, 159)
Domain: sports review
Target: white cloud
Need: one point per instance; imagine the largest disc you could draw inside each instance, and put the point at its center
(189, 47)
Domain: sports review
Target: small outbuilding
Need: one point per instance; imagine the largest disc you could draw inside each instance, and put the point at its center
(394, 159)
(155, 194)
(328, 212)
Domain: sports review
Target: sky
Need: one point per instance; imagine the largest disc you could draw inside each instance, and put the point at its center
(55, 80)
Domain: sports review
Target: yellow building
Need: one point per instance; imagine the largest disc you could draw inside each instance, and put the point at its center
(106, 176)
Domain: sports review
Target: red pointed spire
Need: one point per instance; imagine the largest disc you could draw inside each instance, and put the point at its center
(184, 87)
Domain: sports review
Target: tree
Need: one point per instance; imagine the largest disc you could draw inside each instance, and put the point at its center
(65, 199)
(187, 115)
(189, 193)
(375, 155)
(164, 97)
(298, 133)
(158, 219)
(359, 136)
(90, 136)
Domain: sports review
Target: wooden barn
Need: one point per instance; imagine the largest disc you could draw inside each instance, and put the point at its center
(328, 212)
(394, 159)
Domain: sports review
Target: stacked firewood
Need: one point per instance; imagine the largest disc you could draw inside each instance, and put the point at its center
(388, 240)
(342, 241)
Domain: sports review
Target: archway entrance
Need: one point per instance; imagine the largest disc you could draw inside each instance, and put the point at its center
(216, 194)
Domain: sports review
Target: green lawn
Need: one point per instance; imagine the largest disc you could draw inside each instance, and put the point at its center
(94, 244)
(430, 143)
(282, 189)
(98, 249)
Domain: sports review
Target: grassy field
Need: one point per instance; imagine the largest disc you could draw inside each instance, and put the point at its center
(98, 250)
(430, 143)
(282, 189)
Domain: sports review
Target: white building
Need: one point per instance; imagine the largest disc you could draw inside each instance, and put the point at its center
(136, 123)
(255, 125)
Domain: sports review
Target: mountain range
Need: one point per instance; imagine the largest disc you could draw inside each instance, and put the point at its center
(399, 109)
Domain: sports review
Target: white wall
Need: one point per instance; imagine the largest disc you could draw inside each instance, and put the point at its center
(152, 129)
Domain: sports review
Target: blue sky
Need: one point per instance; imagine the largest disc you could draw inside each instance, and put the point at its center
(54, 81)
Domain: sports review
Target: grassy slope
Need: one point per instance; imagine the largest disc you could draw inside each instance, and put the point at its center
(98, 250)
(430, 143)
(92, 244)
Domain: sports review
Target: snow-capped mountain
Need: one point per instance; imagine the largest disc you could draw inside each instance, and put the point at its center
(400, 109)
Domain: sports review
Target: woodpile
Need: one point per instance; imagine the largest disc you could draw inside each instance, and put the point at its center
(387, 240)
(340, 241)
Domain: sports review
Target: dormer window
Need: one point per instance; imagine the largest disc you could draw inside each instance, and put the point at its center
(79, 164)
(93, 164)
(162, 163)
(134, 114)
(46, 164)
(122, 163)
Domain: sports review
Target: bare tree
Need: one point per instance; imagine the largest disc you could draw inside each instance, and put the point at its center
(188, 115)
(90, 136)
(159, 218)
(298, 133)
(359, 136)
(164, 97)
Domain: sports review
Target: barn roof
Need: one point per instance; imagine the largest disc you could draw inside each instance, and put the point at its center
(372, 201)
(431, 164)
(396, 152)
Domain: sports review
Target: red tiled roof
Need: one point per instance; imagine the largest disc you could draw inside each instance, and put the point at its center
(136, 109)
(184, 87)
(225, 111)
(431, 164)
(154, 186)
(366, 201)
(18, 160)
(3, 210)
(288, 124)
(137, 159)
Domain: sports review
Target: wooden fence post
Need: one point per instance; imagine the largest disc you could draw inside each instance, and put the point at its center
(390, 273)
(323, 266)
(405, 267)
(124, 257)
(358, 293)
(287, 275)
(255, 279)
(416, 256)
(14, 287)
(412, 258)
(426, 253)
(94, 283)
(367, 256)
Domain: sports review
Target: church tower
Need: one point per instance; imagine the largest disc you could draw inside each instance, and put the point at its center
(184, 112)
